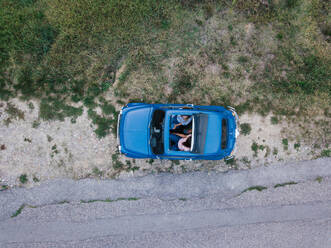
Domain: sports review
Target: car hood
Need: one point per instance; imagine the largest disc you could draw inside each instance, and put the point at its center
(134, 130)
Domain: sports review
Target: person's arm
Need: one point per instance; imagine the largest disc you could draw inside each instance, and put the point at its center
(181, 135)
(177, 125)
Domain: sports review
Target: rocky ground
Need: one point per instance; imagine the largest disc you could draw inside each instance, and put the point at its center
(44, 150)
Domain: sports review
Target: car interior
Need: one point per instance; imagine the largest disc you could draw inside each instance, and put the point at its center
(179, 129)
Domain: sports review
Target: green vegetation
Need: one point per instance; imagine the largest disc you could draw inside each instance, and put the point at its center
(18, 211)
(231, 161)
(53, 109)
(326, 153)
(258, 188)
(14, 112)
(255, 147)
(75, 54)
(35, 179)
(246, 161)
(245, 128)
(132, 199)
(35, 124)
(284, 184)
(23, 178)
(97, 172)
(242, 59)
(175, 162)
(4, 187)
(319, 179)
(116, 163)
(297, 146)
(110, 200)
(285, 144)
(274, 120)
(31, 106)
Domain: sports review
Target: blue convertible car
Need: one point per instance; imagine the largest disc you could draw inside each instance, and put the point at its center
(177, 131)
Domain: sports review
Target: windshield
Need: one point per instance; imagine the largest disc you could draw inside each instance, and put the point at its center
(200, 122)
(156, 132)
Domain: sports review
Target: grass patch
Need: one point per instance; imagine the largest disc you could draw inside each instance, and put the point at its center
(116, 163)
(151, 161)
(97, 172)
(258, 188)
(255, 148)
(35, 179)
(14, 112)
(67, 54)
(326, 153)
(231, 161)
(319, 179)
(4, 187)
(54, 109)
(35, 124)
(110, 200)
(245, 128)
(23, 178)
(103, 123)
(31, 106)
(274, 120)
(132, 199)
(284, 184)
(296, 146)
(285, 144)
(18, 211)
(243, 59)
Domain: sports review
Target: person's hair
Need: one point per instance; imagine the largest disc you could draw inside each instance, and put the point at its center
(187, 143)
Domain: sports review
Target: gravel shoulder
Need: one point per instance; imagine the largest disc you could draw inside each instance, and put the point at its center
(62, 149)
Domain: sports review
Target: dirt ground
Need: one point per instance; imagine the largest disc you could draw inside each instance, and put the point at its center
(63, 149)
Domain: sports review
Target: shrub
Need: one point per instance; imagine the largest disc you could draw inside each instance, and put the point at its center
(285, 144)
(255, 148)
(53, 109)
(326, 153)
(274, 120)
(23, 178)
(245, 128)
(242, 59)
(257, 10)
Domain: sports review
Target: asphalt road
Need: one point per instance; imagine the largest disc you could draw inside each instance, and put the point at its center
(216, 214)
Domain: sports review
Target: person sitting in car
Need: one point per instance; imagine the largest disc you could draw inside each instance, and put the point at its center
(180, 141)
(182, 120)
